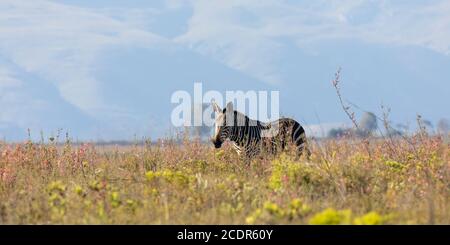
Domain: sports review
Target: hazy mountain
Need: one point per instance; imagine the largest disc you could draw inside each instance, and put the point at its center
(107, 70)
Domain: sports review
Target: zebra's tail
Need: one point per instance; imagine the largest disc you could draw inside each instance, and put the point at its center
(299, 139)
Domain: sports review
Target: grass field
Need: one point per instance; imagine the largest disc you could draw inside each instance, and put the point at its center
(347, 181)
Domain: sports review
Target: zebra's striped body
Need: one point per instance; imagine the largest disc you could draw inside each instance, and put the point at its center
(250, 137)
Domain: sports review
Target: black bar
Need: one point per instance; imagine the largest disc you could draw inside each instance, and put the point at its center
(139, 233)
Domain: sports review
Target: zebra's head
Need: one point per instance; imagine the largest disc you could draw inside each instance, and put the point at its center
(222, 129)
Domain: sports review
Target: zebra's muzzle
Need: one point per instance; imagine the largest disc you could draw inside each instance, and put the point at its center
(217, 143)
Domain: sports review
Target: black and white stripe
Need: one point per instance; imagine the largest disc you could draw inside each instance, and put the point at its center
(249, 136)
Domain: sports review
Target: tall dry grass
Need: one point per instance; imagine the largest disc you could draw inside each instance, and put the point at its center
(346, 181)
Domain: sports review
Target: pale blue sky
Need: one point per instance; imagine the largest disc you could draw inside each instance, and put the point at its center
(105, 69)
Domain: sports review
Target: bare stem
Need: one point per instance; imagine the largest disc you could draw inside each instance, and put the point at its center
(346, 108)
(350, 114)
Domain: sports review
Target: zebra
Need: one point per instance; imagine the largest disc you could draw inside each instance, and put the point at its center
(250, 136)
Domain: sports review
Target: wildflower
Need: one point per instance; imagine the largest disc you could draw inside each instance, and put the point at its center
(201, 164)
(273, 209)
(79, 191)
(395, 165)
(371, 218)
(297, 208)
(129, 202)
(220, 154)
(178, 177)
(131, 205)
(251, 219)
(56, 187)
(221, 186)
(100, 210)
(115, 199)
(95, 185)
(331, 217)
(277, 174)
(150, 175)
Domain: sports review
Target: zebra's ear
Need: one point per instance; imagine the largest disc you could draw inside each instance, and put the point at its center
(215, 106)
(230, 106)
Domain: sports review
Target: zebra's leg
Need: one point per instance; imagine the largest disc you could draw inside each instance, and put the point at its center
(250, 153)
(273, 146)
(303, 149)
(267, 146)
(246, 158)
(299, 139)
(247, 161)
(283, 144)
